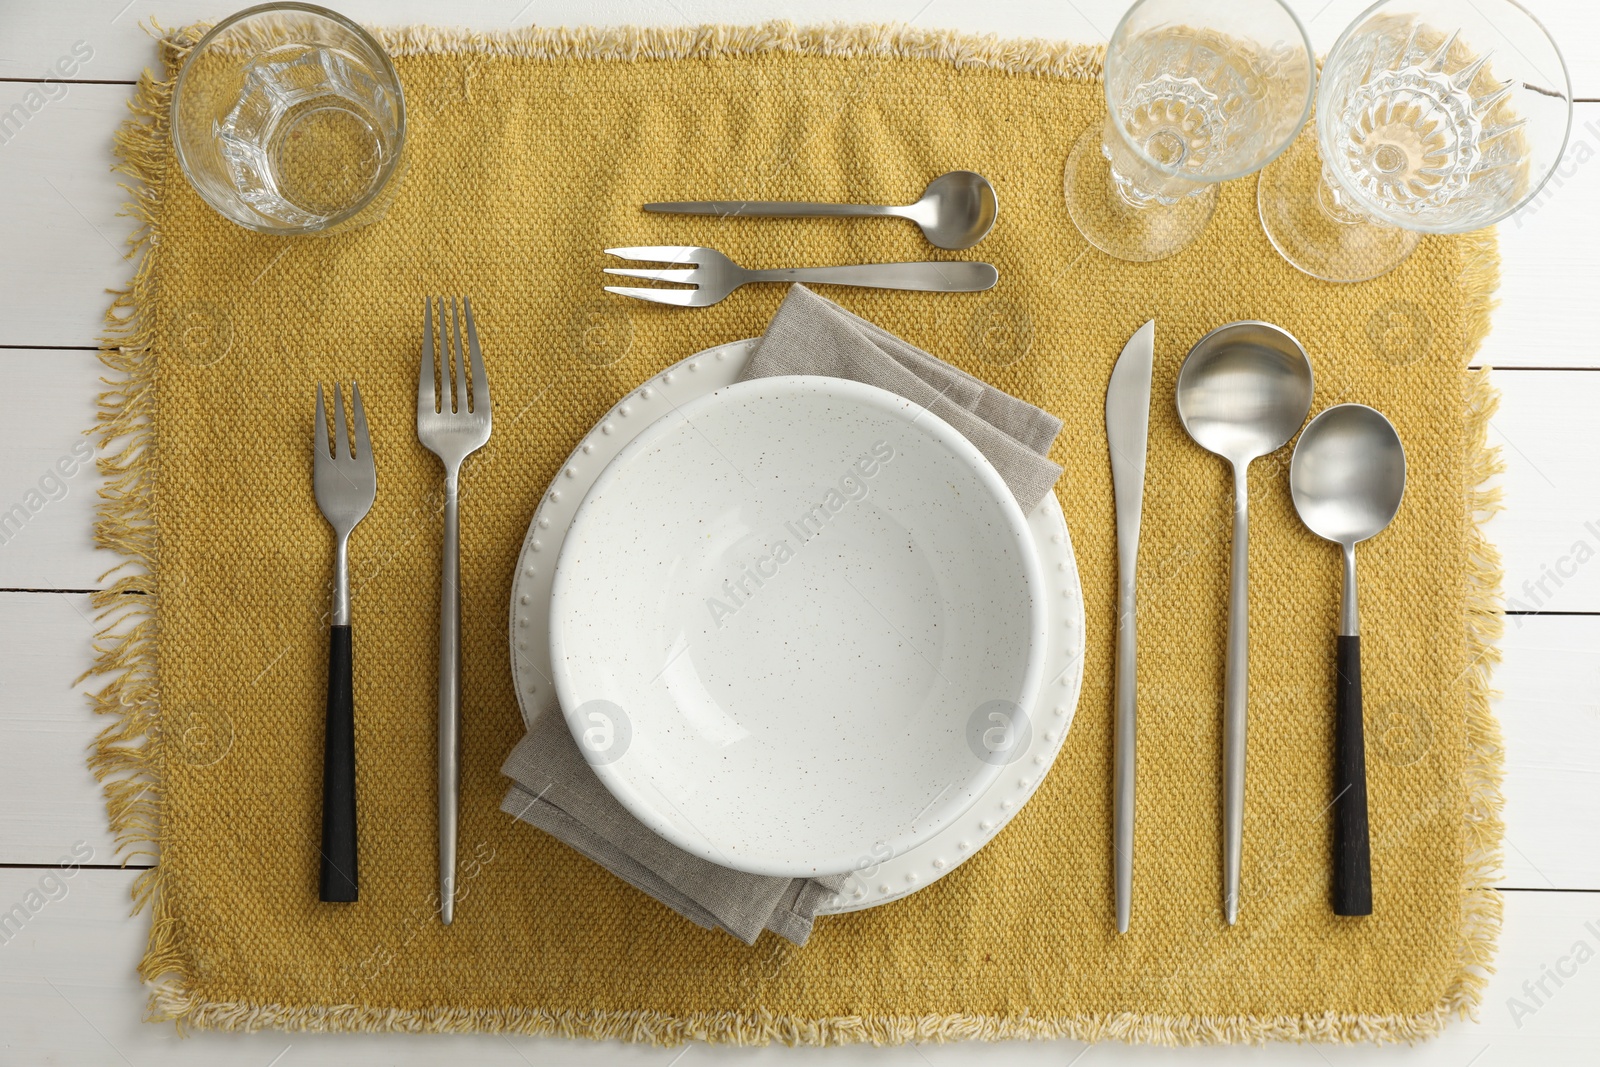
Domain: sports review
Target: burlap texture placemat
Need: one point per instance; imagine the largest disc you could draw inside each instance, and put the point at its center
(528, 154)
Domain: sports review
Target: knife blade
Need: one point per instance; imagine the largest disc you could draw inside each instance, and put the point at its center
(1127, 435)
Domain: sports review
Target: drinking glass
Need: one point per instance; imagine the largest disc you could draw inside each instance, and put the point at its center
(1196, 93)
(1434, 116)
(289, 118)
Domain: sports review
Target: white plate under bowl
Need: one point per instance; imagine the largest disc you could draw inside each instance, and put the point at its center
(1029, 743)
(794, 603)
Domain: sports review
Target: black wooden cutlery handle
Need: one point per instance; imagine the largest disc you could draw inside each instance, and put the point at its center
(1352, 859)
(338, 880)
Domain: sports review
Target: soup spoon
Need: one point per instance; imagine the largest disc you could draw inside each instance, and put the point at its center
(956, 211)
(1243, 390)
(1347, 477)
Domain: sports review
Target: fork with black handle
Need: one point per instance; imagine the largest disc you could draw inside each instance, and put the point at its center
(345, 482)
(451, 430)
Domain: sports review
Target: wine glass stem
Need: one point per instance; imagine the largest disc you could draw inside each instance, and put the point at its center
(1118, 189)
(1328, 201)
(1127, 186)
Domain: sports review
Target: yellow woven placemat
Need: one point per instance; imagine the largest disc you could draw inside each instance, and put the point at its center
(531, 152)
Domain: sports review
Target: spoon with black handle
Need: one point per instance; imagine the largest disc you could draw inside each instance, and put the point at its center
(1347, 478)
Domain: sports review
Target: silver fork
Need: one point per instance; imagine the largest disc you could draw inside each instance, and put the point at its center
(714, 275)
(345, 482)
(452, 431)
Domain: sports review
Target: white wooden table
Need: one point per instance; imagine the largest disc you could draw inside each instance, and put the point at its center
(68, 994)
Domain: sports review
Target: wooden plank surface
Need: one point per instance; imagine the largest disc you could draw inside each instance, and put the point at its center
(48, 481)
(50, 799)
(64, 241)
(1549, 532)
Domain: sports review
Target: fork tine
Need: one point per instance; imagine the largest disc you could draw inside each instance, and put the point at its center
(446, 387)
(362, 443)
(341, 441)
(458, 356)
(458, 352)
(480, 380)
(441, 355)
(657, 253)
(656, 275)
(680, 297)
(321, 428)
(426, 400)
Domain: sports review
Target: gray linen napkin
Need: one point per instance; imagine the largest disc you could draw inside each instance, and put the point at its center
(812, 335)
(555, 789)
(557, 792)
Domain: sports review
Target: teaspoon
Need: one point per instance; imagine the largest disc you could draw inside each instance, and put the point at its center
(956, 211)
(1243, 390)
(1347, 477)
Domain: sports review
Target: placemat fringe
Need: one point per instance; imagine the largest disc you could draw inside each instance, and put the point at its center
(853, 41)
(170, 1000)
(128, 755)
(1484, 760)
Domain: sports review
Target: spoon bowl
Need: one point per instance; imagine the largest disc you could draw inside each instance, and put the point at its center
(957, 210)
(1348, 474)
(1243, 391)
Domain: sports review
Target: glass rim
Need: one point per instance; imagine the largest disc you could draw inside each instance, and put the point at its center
(388, 68)
(1534, 190)
(1173, 172)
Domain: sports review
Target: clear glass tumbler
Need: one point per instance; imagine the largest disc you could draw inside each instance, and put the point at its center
(1196, 93)
(1434, 116)
(289, 119)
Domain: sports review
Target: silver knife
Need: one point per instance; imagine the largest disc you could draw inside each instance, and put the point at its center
(1127, 434)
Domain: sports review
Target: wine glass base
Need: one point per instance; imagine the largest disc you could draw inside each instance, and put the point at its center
(1116, 227)
(1289, 199)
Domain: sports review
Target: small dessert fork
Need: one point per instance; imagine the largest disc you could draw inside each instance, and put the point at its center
(714, 275)
(345, 482)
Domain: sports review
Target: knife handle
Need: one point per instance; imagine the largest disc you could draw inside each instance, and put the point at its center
(1126, 732)
(337, 883)
(1352, 855)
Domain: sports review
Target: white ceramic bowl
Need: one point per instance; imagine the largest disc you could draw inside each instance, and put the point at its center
(783, 618)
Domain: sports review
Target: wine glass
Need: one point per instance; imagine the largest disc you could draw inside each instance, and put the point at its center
(1434, 116)
(1196, 93)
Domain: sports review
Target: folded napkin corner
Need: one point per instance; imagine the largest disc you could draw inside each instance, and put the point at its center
(810, 334)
